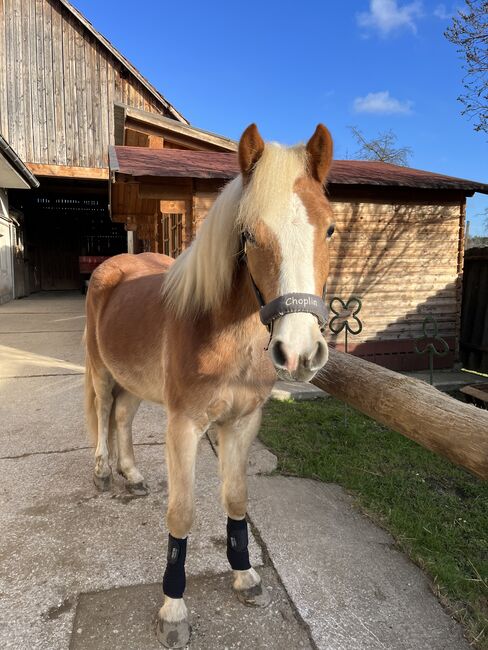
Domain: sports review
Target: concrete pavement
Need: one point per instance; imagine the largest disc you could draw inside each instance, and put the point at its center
(83, 570)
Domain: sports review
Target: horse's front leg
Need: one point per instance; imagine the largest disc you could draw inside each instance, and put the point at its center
(182, 439)
(235, 440)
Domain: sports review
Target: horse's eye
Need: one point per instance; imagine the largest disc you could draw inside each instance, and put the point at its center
(330, 230)
(249, 237)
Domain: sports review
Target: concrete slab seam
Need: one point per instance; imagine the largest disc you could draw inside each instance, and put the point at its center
(71, 449)
(47, 374)
(268, 562)
(40, 331)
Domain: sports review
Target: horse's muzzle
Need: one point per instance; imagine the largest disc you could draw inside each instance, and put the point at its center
(298, 366)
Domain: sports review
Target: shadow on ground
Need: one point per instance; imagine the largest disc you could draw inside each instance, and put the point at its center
(118, 619)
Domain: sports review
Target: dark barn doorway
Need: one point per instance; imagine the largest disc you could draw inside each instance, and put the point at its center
(68, 232)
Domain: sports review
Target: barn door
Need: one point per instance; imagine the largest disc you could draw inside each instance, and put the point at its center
(59, 260)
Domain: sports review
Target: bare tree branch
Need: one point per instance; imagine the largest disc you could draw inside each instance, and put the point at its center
(469, 32)
(383, 148)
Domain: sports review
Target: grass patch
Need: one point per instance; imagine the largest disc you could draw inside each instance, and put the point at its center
(437, 512)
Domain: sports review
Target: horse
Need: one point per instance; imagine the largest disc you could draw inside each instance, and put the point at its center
(206, 335)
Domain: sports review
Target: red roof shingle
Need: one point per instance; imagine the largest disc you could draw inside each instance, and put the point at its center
(177, 163)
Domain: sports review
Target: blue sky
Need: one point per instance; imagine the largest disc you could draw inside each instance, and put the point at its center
(375, 64)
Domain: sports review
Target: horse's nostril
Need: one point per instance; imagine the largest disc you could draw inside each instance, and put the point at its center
(319, 356)
(278, 354)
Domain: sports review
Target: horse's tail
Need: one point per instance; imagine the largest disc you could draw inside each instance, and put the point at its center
(91, 417)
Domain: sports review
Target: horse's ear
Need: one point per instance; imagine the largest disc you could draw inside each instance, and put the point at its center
(251, 147)
(319, 149)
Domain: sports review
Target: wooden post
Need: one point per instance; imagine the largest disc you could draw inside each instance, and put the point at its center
(436, 421)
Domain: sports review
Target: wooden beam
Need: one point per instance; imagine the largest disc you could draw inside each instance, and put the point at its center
(63, 171)
(186, 131)
(173, 207)
(174, 190)
(393, 194)
(166, 194)
(173, 139)
(479, 392)
(415, 409)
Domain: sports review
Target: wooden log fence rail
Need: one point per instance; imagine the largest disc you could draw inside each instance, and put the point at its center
(442, 424)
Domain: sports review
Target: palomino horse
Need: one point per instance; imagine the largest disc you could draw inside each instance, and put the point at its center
(188, 334)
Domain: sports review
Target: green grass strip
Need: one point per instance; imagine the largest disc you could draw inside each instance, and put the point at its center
(437, 512)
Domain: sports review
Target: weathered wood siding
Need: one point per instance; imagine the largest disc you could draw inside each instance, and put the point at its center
(58, 85)
(202, 202)
(401, 259)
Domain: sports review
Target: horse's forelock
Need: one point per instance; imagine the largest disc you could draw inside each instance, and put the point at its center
(201, 277)
(268, 192)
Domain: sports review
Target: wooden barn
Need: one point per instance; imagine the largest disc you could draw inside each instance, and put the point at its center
(398, 244)
(59, 80)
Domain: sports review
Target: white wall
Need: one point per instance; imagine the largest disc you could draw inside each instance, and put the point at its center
(6, 251)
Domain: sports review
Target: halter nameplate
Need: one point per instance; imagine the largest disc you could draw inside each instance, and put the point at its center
(292, 303)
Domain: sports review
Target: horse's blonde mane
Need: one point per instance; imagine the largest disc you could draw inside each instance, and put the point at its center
(201, 276)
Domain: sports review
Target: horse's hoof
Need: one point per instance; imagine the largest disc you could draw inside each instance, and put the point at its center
(256, 596)
(102, 483)
(173, 635)
(140, 489)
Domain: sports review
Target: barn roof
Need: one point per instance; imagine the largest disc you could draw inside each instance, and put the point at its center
(172, 163)
(13, 172)
(176, 163)
(125, 63)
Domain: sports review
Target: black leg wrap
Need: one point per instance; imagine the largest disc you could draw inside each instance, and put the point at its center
(237, 540)
(174, 581)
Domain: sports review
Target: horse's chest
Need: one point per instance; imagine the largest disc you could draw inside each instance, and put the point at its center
(240, 397)
(232, 403)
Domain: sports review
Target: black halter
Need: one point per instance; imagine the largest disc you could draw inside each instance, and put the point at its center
(289, 303)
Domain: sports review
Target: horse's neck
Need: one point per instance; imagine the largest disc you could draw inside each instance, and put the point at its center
(240, 308)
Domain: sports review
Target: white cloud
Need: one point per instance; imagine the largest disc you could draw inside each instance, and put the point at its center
(386, 16)
(382, 103)
(441, 12)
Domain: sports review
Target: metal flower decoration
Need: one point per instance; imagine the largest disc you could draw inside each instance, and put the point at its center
(345, 317)
(430, 337)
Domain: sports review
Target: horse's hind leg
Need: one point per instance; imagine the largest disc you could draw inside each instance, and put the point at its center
(103, 385)
(235, 440)
(126, 405)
